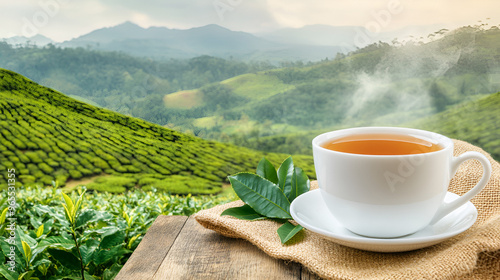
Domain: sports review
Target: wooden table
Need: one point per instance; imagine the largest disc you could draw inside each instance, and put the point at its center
(177, 247)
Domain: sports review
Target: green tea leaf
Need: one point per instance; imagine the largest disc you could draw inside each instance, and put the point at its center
(103, 256)
(244, 212)
(126, 217)
(67, 259)
(132, 240)
(27, 251)
(39, 231)
(88, 249)
(112, 239)
(22, 236)
(266, 170)
(110, 273)
(27, 275)
(69, 203)
(285, 173)
(88, 276)
(68, 214)
(262, 195)
(43, 269)
(105, 231)
(55, 242)
(85, 217)
(78, 204)
(300, 184)
(287, 231)
(42, 265)
(44, 209)
(6, 246)
(4, 215)
(7, 274)
(2, 255)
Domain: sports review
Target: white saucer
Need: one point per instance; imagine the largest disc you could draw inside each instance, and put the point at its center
(310, 211)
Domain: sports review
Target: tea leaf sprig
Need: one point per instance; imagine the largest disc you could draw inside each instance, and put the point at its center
(268, 194)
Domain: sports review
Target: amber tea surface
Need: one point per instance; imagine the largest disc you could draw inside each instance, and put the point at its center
(381, 144)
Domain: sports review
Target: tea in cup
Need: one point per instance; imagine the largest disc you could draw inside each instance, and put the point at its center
(388, 182)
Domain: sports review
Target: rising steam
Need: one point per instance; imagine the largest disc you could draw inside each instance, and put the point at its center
(402, 78)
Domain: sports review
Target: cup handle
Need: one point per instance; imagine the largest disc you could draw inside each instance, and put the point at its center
(448, 207)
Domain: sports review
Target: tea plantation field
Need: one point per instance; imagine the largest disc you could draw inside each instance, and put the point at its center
(477, 122)
(47, 136)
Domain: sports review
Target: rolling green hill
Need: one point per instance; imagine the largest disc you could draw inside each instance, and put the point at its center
(251, 86)
(47, 136)
(477, 122)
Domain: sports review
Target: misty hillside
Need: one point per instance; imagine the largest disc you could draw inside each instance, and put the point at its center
(47, 137)
(381, 84)
(476, 122)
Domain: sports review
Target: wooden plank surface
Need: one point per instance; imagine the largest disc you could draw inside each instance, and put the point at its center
(202, 254)
(153, 249)
(199, 253)
(177, 247)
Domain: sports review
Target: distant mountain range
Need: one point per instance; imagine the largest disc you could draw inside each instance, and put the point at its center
(38, 40)
(214, 40)
(309, 43)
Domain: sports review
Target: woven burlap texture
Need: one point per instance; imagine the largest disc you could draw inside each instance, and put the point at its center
(474, 254)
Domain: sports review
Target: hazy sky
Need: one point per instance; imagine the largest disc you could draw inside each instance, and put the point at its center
(65, 19)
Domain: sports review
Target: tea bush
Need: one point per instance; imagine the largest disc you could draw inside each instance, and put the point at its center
(112, 184)
(84, 234)
(181, 185)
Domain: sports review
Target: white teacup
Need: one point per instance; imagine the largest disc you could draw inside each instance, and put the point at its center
(388, 196)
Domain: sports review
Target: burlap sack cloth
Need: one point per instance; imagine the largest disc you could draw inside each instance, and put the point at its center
(473, 254)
